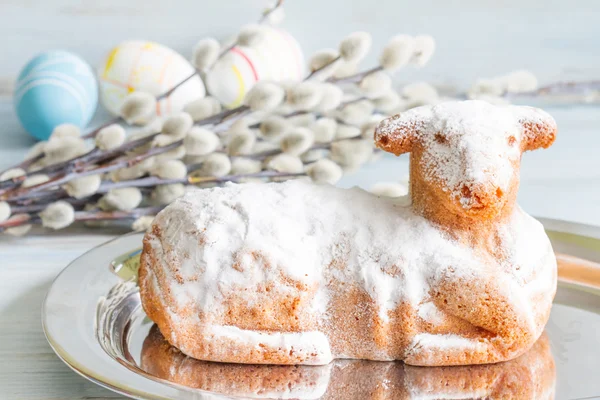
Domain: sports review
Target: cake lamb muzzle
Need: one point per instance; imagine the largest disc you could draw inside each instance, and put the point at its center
(297, 273)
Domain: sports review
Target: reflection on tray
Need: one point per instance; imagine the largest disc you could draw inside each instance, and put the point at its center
(531, 376)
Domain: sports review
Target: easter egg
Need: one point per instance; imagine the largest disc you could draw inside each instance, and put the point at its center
(277, 58)
(54, 88)
(149, 67)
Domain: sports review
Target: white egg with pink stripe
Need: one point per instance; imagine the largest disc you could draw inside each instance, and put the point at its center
(277, 58)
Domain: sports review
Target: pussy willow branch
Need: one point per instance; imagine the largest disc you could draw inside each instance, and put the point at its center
(153, 181)
(355, 78)
(37, 207)
(91, 157)
(566, 87)
(61, 180)
(82, 216)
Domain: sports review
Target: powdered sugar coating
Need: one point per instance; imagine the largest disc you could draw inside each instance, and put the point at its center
(300, 229)
(458, 275)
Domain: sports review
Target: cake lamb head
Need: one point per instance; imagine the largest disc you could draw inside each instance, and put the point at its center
(465, 156)
(298, 273)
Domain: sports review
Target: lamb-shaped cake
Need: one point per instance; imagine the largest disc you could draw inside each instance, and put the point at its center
(297, 273)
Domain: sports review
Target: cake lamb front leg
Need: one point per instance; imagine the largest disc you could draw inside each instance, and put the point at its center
(503, 328)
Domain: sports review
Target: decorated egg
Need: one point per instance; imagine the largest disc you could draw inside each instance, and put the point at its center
(149, 67)
(54, 88)
(277, 58)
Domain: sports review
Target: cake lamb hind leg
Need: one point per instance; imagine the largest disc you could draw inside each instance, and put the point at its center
(295, 273)
(464, 178)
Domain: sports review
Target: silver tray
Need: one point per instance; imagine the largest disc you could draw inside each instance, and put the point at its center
(93, 319)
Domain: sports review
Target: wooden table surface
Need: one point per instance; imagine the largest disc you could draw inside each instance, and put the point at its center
(477, 38)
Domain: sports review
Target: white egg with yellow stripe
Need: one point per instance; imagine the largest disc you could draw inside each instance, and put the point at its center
(277, 58)
(149, 67)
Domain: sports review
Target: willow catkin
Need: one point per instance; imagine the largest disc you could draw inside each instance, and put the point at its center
(57, 215)
(297, 141)
(83, 187)
(355, 46)
(138, 108)
(324, 171)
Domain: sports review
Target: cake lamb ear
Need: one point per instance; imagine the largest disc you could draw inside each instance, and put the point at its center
(539, 128)
(397, 134)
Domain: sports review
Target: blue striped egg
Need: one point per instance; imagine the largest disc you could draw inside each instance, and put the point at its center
(54, 88)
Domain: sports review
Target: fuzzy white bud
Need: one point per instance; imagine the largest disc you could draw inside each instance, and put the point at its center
(65, 130)
(324, 130)
(486, 87)
(264, 96)
(143, 223)
(351, 152)
(176, 126)
(265, 145)
(35, 180)
(64, 148)
(356, 113)
(12, 173)
(241, 142)
(274, 127)
(83, 187)
(138, 108)
(389, 189)
(285, 163)
(205, 53)
(376, 84)
(166, 194)
(324, 171)
(243, 166)
(170, 169)
(304, 95)
(35, 150)
(203, 108)
(133, 172)
(174, 154)
(57, 215)
(355, 47)
(4, 211)
(20, 230)
(420, 93)
(331, 97)
(387, 101)
(303, 120)
(297, 141)
(313, 155)
(367, 130)
(345, 69)
(344, 131)
(424, 46)
(326, 61)
(124, 199)
(520, 81)
(397, 52)
(110, 137)
(215, 164)
(322, 58)
(200, 141)
(251, 35)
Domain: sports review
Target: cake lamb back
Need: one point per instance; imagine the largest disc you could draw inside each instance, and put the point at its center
(297, 273)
